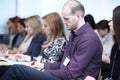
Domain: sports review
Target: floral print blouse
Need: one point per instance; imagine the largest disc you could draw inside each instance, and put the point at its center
(55, 51)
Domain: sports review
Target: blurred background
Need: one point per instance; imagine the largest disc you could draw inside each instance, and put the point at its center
(100, 9)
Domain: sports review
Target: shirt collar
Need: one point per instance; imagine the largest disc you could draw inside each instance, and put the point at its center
(80, 30)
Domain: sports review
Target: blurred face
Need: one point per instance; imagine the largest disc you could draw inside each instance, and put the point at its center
(111, 27)
(10, 25)
(29, 30)
(69, 19)
(46, 29)
(20, 28)
(102, 32)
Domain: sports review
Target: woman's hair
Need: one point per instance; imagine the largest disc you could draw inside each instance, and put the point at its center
(116, 23)
(22, 22)
(14, 20)
(90, 19)
(103, 24)
(35, 23)
(56, 25)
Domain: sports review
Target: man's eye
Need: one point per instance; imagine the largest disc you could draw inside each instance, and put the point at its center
(66, 19)
(45, 25)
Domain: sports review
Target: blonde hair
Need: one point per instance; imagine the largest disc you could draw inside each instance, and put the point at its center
(35, 23)
(56, 25)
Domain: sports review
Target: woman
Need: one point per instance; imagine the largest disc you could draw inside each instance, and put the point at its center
(53, 48)
(106, 38)
(10, 38)
(115, 53)
(34, 28)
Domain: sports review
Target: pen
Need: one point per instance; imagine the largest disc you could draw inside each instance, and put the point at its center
(33, 61)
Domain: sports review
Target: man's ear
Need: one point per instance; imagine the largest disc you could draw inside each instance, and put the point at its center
(78, 16)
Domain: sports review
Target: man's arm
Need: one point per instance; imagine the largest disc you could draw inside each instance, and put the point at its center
(81, 59)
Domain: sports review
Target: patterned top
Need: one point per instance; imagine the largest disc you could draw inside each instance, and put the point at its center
(54, 52)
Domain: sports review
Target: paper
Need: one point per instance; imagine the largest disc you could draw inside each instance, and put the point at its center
(11, 62)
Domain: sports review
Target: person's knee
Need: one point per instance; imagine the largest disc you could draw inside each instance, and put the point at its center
(15, 67)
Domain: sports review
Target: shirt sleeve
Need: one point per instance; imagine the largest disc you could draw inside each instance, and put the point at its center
(52, 66)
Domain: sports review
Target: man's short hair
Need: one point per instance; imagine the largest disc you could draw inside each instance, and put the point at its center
(75, 6)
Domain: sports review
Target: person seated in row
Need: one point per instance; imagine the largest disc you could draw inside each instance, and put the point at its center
(106, 38)
(21, 33)
(32, 42)
(114, 71)
(53, 48)
(10, 38)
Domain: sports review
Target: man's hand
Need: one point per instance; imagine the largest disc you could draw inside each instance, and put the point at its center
(89, 78)
(37, 65)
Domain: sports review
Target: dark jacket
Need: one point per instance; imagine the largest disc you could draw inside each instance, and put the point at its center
(115, 62)
(35, 46)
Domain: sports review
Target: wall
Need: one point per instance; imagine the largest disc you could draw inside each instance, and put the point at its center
(100, 9)
(7, 9)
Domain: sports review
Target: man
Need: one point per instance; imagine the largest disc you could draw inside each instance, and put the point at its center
(82, 57)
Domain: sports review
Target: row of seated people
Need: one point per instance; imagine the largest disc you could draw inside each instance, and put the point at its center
(109, 43)
(102, 31)
(80, 61)
(35, 39)
(75, 60)
(47, 41)
(25, 40)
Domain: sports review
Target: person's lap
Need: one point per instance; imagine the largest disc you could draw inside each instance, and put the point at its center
(3, 69)
(21, 72)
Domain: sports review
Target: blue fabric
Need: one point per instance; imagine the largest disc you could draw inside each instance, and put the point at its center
(35, 46)
(21, 72)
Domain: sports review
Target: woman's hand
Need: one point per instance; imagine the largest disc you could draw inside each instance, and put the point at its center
(3, 48)
(22, 57)
(17, 51)
(11, 57)
(11, 52)
(105, 58)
